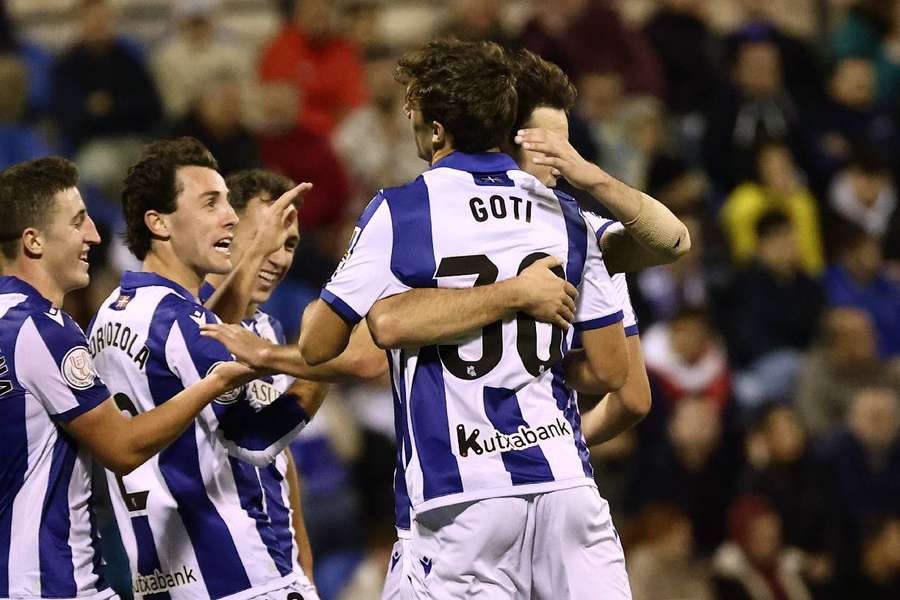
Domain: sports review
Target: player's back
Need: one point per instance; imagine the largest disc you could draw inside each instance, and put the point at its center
(487, 415)
(191, 517)
(48, 541)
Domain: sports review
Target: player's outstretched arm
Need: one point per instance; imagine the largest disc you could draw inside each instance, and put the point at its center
(602, 366)
(360, 360)
(648, 222)
(122, 444)
(230, 299)
(426, 316)
(324, 334)
(620, 410)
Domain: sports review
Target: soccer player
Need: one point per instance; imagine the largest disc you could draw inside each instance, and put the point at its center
(192, 519)
(545, 96)
(496, 467)
(56, 411)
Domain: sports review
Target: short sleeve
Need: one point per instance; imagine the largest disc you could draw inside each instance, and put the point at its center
(364, 275)
(599, 302)
(57, 368)
(629, 319)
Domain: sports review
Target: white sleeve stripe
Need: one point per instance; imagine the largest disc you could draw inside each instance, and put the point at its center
(40, 373)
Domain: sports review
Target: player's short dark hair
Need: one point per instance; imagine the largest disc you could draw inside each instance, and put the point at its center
(27, 192)
(540, 83)
(151, 184)
(244, 186)
(771, 222)
(468, 87)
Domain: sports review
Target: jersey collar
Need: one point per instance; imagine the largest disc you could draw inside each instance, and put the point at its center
(9, 284)
(136, 279)
(482, 162)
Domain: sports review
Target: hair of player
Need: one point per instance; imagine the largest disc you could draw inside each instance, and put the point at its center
(151, 184)
(540, 84)
(244, 186)
(468, 87)
(27, 193)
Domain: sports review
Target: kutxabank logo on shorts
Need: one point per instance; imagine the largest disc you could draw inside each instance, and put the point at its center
(160, 582)
(77, 368)
(471, 441)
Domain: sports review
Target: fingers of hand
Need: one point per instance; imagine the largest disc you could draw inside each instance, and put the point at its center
(560, 322)
(569, 303)
(571, 290)
(567, 313)
(549, 262)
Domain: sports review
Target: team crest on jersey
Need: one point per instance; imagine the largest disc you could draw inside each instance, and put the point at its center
(121, 302)
(228, 397)
(78, 368)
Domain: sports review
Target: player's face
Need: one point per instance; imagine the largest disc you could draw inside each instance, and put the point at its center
(423, 131)
(68, 238)
(551, 119)
(277, 264)
(202, 227)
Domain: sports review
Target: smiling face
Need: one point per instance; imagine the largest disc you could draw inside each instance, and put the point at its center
(202, 227)
(277, 264)
(68, 236)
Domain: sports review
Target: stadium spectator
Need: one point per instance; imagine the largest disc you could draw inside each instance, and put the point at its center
(373, 141)
(37, 60)
(691, 468)
(104, 98)
(661, 561)
(686, 358)
(782, 468)
(844, 361)
(878, 576)
(872, 29)
(753, 106)
(325, 67)
(848, 119)
(778, 185)
(588, 36)
(195, 56)
(859, 280)
(215, 118)
(19, 141)
(754, 564)
(863, 457)
(687, 49)
(477, 20)
(865, 195)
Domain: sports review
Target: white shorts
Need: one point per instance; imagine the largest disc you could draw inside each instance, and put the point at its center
(396, 582)
(302, 589)
(558, 545)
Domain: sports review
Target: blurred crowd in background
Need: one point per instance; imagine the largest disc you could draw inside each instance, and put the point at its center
(769, 467)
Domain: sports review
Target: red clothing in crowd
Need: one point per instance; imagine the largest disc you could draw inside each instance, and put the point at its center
(329, 75)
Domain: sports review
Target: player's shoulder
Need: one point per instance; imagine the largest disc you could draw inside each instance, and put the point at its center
(269, 326)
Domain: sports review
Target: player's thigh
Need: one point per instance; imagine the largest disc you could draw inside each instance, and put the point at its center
(475, 550)
(396, 582)
(577, 552)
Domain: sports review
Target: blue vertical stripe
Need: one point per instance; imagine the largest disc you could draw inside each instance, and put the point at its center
(528, 465)
(412, 256)
(97, 565)
(217, 556)
(273, 483)
(250, 493)
(147, 558)
(431, 428)
(13, 464)
(54, 552)
(401, 492)
(566, 403)
(576, 229)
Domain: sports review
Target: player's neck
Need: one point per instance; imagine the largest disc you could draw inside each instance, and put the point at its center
(173, 269)
(38, 278)
(446, 151)
(251, 310)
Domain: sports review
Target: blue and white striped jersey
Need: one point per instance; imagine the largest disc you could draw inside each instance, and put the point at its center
(601, 225)
(488, 415)
(273, 485)
(48, 536)
(192, 518)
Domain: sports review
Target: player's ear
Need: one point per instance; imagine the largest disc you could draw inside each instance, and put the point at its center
(438, 135)
(32, 242)
(157, 223)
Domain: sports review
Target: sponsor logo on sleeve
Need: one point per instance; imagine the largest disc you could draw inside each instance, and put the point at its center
(77, 368)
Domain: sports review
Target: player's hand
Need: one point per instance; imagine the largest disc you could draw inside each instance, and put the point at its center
(234, 374)
(545, 295)
(276, 218)
(247, 347)
(557, 153)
